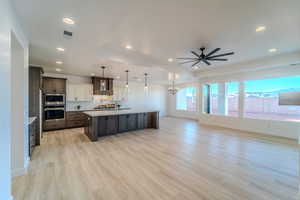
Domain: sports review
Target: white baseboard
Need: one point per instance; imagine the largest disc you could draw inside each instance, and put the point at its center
(27, 161)
(21, 171)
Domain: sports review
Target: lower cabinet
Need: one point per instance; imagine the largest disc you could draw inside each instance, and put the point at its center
(49, 125)
(75, 119)
(127, 122)
(131, 120)
(123, 125)
(142, 121)
(33, 133)
(109, 125)
(112, 125)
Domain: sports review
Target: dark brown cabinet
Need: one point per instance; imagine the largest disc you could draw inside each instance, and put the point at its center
(75, 119)
(131, 120)
(123, 123)
(127, 122)
(101, 126)
(109, 125)
(54, 85)
(32, 136)
(50, 125)
(35, 104)
(142, 120)
(102, 86)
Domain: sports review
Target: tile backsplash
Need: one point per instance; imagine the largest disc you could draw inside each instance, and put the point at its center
(97, 100)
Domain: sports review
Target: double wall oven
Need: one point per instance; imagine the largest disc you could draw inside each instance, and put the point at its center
(54, 107)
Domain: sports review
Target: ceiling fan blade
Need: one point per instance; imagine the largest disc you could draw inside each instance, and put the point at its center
(212, 52)
(217, 59)
(220, 55)
(193, 52)
(196, 63)
(187, 58)
(208, 63)
(187, 62)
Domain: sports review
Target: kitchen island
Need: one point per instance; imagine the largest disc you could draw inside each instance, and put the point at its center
(105, 123)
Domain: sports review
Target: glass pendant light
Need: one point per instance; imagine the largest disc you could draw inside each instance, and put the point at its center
(103, 81)
(146, 81)
(127, 79)
(126, 86)
(172, 90)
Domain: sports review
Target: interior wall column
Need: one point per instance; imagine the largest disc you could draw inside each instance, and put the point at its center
(200, 99)
(222, 100)
(241, 98)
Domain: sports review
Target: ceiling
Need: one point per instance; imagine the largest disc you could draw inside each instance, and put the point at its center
(157, 31)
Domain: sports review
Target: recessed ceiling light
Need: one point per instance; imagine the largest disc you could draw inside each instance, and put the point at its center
(195, 67)
(68, 20)
(117, 77)
(272, 50)
(59, 62)
(92, 74)
(128, 47)
(60, 49)
(58, 69)
(260, 28)
(170, 59)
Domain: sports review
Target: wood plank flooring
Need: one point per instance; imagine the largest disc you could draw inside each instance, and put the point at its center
(181, 161)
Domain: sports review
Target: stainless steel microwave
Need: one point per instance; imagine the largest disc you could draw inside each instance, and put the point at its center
(54, 99)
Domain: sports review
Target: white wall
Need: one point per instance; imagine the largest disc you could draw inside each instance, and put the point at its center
(270, 127)
(8, 24)
(154, 99)
(19, 134)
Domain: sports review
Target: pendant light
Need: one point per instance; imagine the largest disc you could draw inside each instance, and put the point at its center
(172, 90)
(146, 81)
(103, 81)
(126, 78)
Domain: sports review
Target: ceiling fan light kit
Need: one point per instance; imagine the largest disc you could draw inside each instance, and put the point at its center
(205, 58)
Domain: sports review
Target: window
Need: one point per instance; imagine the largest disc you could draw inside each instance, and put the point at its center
(232, 107)
(210, 98)
(262, 99)
(214, 90)
(186, 99)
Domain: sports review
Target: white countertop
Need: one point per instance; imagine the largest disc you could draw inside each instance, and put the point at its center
(116, 112)
(92, 109)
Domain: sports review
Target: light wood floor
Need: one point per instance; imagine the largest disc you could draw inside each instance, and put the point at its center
(180, 161)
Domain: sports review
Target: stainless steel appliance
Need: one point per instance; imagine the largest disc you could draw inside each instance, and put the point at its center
(54, 99)
(54, 113)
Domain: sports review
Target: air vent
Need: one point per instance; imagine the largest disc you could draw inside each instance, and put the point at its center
(68, 34)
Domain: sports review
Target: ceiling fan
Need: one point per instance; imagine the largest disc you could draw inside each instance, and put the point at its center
(205, 57)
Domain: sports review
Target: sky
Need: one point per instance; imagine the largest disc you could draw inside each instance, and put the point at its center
(266, 85)
(269, 85)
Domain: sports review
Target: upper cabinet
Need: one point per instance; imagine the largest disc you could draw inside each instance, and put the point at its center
(79, 92)
(54, 85)
(102, 86)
